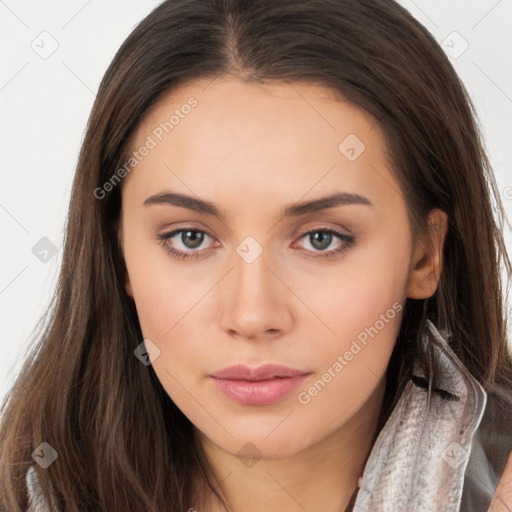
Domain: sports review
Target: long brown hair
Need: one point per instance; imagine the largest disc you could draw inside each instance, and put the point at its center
(122, 444)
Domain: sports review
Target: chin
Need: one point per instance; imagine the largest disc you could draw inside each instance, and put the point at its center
(250, 448)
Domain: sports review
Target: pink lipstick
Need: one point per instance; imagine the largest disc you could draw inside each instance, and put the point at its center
(258, 386)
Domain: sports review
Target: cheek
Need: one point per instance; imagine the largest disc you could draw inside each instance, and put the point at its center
(162, 292)
(171, 315)
(173, 312)
(366, 290)
(362, 305)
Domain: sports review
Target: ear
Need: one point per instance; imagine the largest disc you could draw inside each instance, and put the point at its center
(427, 262)
(126, 277)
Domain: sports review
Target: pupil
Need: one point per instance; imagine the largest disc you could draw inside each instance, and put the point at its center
(325, 240)
(195, 240)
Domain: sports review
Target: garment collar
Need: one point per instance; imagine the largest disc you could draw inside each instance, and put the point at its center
(420, 456)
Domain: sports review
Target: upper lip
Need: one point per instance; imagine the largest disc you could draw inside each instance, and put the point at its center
(264, 372)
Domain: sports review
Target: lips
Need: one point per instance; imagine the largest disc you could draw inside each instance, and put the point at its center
(258, 386)
(264, 372)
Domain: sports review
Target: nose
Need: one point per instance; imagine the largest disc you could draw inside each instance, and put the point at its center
(256, 300)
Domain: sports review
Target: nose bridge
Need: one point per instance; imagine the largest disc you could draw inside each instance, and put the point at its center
(253, 279)
(251, 272)
(256, 299)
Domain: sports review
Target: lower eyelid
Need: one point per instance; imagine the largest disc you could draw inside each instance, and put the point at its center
(346, 240)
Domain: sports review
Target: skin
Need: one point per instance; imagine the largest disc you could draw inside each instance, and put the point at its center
(252, 150)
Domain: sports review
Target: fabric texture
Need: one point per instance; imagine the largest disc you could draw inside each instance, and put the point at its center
(431, 455)
(35, 494)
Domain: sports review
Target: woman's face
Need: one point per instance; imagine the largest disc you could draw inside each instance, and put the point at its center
(266, 271)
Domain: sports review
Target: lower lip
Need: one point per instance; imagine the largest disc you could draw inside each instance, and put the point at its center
(258, 392)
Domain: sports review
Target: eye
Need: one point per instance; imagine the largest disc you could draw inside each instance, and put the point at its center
(320, 239)
(190, 239)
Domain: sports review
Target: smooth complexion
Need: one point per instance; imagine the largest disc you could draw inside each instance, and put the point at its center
(252, 151)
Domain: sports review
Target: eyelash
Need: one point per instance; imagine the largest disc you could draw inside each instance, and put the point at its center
(348, 243)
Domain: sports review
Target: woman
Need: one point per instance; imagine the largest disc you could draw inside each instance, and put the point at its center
(280, 286)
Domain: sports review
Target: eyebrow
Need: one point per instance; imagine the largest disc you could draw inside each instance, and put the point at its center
(294, 210)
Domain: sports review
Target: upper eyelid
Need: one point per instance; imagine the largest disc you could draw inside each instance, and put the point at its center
(345, 238)
(342, 236)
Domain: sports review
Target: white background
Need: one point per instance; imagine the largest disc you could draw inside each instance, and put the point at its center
(45, 104)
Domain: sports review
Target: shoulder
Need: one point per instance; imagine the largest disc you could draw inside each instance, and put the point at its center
(502, 500)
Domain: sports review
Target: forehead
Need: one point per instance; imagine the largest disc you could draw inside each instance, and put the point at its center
(228, 106)
(255, 137)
